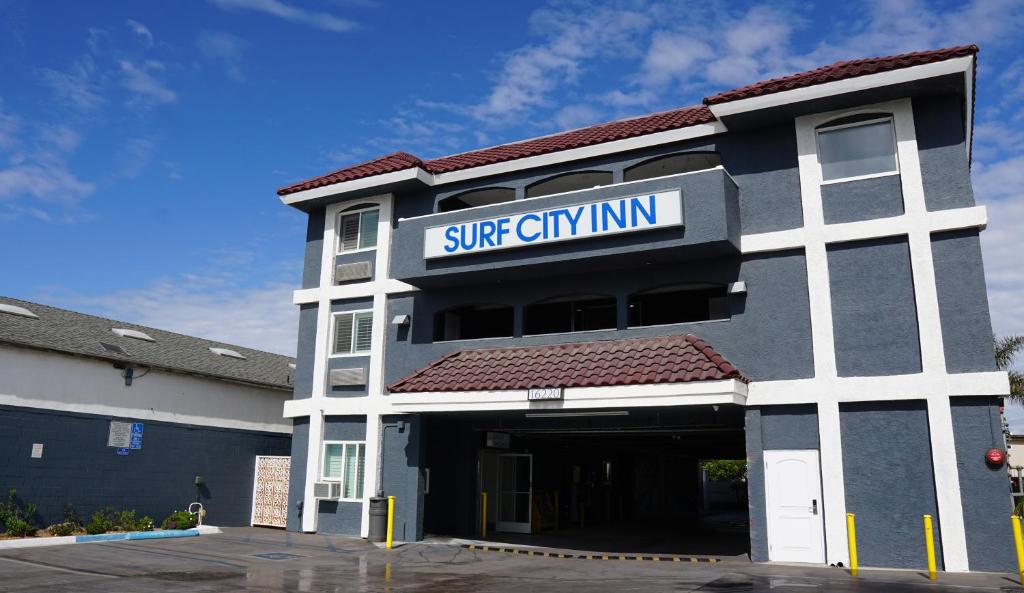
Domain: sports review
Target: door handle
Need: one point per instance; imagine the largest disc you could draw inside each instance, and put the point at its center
(814, 506)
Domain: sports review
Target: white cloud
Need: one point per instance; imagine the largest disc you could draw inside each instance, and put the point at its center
(210, 305)
(140, 31)
(673, 55)
(147, 89)
(75, 86)
(225, 48)
(576, 116)
(317, 20)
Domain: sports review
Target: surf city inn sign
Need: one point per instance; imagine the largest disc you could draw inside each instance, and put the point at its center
(565, 223)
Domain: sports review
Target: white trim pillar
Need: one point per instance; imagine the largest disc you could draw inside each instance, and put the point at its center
(309, 502)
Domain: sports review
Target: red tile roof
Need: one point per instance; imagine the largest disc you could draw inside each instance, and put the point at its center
(841, 71)
(607, 132)
(629, 128)
(638, 361)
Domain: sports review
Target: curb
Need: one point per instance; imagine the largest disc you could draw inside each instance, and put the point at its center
(14, 544)
(634, 557)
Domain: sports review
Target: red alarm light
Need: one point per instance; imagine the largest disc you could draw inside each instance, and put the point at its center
(995, 457)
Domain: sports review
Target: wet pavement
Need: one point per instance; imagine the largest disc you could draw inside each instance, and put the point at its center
(264, 560)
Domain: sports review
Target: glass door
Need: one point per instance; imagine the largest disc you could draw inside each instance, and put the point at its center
(515, 492)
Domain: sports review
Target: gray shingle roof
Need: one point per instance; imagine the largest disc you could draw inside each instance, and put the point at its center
(77, 333)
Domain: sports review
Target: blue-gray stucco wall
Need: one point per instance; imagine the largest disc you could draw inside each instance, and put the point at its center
(942, 150)
(314, 249)
(983, 489)
(403, 479)
(77, 467)
(863, 199)
(338, 516)
(873, 312)
(772, 428)
(774, 311)
(305, 348)
(297, 477)
(963, 302)
(888, 475)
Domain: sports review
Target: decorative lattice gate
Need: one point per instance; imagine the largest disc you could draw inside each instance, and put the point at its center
(270, 491)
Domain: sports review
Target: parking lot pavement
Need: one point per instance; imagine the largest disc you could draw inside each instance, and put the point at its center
(264, 560)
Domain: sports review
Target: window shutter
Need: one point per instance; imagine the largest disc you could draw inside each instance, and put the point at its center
(368, 229)
(360, 467)
(343, 334)
(364, 332)
(349, 232)
(332, 461)
(351, 466)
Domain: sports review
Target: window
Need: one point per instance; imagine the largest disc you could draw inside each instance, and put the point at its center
(345, 463)
(474, 322)
(568, 182)
(672, 164)
(570, 314)
(477, 197)
(857, 149)
(358, 230)
(682, 303)
(353, 332)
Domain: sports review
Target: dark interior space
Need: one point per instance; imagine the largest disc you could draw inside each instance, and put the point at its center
(624, 480)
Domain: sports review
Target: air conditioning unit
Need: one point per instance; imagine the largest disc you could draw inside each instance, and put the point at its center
(348, 377)
(362, 270)
(327, 490)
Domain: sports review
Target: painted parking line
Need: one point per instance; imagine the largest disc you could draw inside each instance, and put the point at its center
(633, 557)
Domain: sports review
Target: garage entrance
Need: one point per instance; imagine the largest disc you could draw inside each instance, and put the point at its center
(626, 480)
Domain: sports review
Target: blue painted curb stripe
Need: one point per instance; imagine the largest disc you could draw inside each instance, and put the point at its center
(111, 537)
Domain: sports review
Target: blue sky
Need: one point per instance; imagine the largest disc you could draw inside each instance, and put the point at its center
(141, 142)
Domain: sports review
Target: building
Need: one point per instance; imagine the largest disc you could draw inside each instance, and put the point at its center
(98, 413)
(789, 272)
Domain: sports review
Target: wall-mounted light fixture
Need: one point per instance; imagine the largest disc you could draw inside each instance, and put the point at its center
(401, 320)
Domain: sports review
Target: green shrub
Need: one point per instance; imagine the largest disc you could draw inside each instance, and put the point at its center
(179, 520)
(19, 527)
(725, 470)
(62, 529)
(100, 523)
(18, 518)
(71, 516)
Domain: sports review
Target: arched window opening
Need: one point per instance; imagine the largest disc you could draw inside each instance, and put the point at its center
(680, 303)
(568, 182)
(672, 164)
(471, 322)
(570, 314)
(477, 197)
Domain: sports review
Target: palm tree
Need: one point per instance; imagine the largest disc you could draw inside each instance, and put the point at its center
(1007, 348)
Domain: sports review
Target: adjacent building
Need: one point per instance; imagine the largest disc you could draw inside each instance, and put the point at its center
(788, 273)
(96, 412)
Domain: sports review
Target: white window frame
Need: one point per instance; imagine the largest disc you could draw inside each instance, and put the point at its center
(338, 229)
(341, 480)
(828, 128)
(333, 334)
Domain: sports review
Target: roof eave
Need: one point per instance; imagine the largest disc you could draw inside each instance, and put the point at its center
(959, 65)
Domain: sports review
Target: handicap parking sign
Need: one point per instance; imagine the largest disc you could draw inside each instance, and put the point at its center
(136, 439)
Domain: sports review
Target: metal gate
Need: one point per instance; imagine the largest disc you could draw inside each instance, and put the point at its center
(270, 491)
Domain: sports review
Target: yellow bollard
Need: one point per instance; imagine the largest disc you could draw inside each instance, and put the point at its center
(391, 520)
(851, 536)
(1018, 540)
(483, 514)
(929, 546)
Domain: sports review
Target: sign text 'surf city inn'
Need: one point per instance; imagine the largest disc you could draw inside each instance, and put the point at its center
(786, 278)
(578, 221)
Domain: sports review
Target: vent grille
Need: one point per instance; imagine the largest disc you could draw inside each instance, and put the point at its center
(114, 349)
(348, 377)
(362, 270)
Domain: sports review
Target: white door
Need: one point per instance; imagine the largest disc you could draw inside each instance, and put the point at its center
(792, 483)
(515, 492)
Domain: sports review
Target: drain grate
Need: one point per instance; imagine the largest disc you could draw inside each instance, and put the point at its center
(278, 556)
